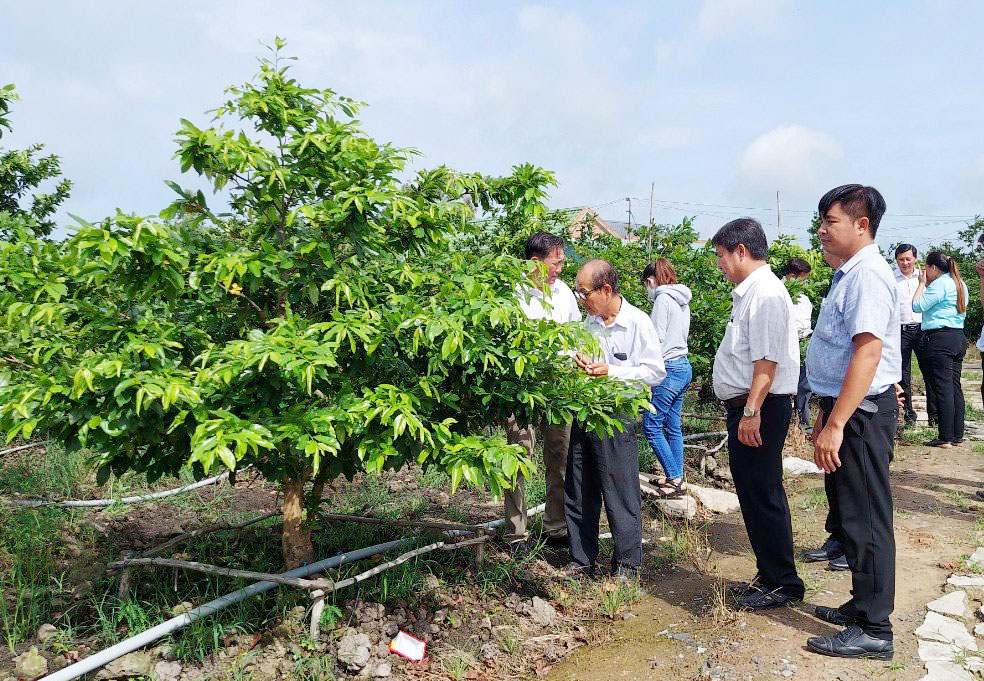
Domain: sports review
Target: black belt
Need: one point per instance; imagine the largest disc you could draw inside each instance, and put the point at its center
(742, 400)
(944, 328)
(869, 404)
(913, 325)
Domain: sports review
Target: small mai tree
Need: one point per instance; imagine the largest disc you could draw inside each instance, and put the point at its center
(23, 172)
(324, 324)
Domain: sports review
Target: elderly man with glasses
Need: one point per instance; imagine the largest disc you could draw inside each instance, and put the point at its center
(606, 467)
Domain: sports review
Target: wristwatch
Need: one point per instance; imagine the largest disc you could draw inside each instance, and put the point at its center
(748, 412)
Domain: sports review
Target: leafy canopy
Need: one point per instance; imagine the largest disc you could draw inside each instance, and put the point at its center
(324, 322)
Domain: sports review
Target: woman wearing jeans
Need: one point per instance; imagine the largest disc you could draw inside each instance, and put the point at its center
(671, 317)
(941, 297)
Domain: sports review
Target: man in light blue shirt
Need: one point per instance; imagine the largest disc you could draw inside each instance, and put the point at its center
(853, 363)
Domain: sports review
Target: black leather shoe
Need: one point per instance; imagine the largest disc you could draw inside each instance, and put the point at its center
(936, 442)
(559, 542)
(757, 598)
(834, 616)
(830, 550)
(739, 589)
(852, 642)
(839, 563)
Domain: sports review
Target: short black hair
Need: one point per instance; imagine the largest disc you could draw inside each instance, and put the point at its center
(858, 201)
(604, 273)
(797, 266)
(542, 244)
(746, 231)
(902, 248)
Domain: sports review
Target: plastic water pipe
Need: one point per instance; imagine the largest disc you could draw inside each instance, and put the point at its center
(144, 638)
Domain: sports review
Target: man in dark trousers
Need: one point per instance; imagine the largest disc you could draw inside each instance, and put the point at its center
(756, 371)
(606, 467)
(853, 363)
(913, 338)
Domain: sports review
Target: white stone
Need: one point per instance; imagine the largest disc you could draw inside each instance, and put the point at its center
(953, 604)
(353, 650)
(681, 507)
(797, 466)
(134, 665)
(934, 651)
(542, 612)
(977, 557)
(974, 664)
(167, 671)
(946, 671)
(30, 665)
(716, 500)
(938, 627)
(979, 629)
(972, 584)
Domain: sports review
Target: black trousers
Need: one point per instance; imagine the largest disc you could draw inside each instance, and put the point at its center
(914, 341)
(757, 472)
(945, 349)
(802, 400)
(860, 492)
(604, 469)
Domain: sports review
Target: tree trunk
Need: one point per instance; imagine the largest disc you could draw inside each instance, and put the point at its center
(297, 544)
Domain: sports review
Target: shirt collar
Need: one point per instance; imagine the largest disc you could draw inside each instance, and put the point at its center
(866, 252)
(742, 288)
(900, 276)
(621, 319)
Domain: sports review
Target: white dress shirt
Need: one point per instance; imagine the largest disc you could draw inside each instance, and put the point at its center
(560, 306)
(803, 316)
(761, 327)
(629, 345)
(907, 288)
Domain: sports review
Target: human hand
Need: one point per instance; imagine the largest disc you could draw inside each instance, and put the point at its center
(582, 361)
(922, 276)
(597, 369)
(826, 448)
(748, 431)
(900, 395)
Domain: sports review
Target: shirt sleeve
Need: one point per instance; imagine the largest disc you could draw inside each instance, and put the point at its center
(768, 328)
(660, 316)
(647, 359)
(934, 294)
(869, 305)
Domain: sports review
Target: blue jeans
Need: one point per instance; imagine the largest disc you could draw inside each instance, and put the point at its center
(664, 429)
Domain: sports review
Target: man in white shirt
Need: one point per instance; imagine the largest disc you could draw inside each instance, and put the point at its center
(606, 467)
(549, 299)
(913, 339)
(797, 268)
(756, 370)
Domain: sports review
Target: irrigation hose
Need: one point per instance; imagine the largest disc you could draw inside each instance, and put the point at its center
(147, 637)
(79, 503)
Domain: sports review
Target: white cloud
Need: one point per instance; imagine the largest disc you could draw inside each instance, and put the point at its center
(792, 158)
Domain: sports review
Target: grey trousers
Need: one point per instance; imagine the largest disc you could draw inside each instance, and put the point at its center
(556, 439)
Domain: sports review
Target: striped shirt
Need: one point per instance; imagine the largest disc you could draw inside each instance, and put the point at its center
(863, 298)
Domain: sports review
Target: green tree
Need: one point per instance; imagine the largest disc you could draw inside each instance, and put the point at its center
(22, 172)
(322, 325)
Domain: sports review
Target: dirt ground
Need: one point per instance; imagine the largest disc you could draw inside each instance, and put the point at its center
(680, 631)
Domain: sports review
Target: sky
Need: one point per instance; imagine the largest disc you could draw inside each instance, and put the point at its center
(710, 106)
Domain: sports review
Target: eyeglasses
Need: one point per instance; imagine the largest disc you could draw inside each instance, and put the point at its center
(582, 295)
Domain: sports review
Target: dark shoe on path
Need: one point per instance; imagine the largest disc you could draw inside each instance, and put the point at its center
(834, 616)
(942, 444)
(830, 550)
(839, 563)
(758, 599)
(559, 541)
(739, 589)
(852, 642)
(575, 569)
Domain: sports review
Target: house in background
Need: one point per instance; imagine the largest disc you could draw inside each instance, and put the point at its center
(588, 218)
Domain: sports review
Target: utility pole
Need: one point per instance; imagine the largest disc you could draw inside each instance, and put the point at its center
(649, 245)
(629, 199)
(778, 214)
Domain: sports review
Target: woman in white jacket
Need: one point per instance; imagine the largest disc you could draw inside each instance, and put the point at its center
(671, 317)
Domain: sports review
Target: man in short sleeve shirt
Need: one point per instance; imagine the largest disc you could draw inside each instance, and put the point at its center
(853, 363)
(756, 371)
